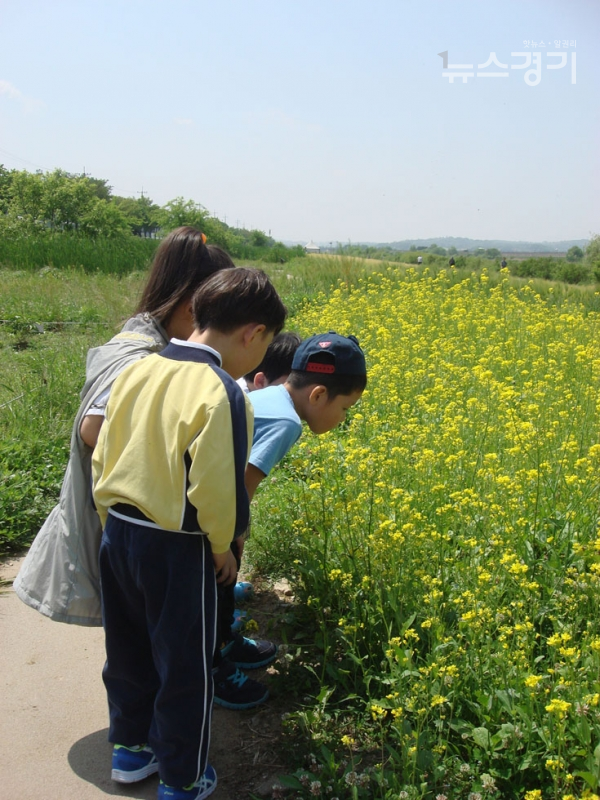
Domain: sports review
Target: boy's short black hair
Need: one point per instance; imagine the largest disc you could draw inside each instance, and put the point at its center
(235, 297)
(330, 360)
(278, 358)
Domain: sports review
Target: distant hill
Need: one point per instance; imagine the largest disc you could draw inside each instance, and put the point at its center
(473, 244)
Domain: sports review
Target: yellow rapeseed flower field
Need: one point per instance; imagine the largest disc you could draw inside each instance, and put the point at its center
(446, 541)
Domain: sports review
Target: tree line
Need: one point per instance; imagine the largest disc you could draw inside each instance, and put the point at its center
(61, 203)
(577, 266)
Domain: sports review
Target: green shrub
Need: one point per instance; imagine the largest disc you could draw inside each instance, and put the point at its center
(552, 269)
(536, 267)
(573, 272)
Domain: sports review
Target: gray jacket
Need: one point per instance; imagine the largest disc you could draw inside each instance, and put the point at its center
(59, 577)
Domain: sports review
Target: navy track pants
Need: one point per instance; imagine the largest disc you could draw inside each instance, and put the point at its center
(159, 616)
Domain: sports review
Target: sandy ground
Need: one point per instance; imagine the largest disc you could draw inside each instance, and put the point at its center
(53, 715)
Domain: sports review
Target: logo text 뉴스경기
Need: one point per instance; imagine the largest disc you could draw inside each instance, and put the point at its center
(529, 60)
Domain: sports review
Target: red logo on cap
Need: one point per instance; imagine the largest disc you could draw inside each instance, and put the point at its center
(324, 344)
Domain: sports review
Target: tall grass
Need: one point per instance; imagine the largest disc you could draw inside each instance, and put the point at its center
(38, 400)
(48, 320)
(303, 280)
(114, 256)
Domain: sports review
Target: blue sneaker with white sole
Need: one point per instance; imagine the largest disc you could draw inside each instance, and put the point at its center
(131, 764)
(196, 791)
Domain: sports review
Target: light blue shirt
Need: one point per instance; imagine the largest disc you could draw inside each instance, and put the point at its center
(277, 426)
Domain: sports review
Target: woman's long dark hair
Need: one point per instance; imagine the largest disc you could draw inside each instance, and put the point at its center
(182, 262)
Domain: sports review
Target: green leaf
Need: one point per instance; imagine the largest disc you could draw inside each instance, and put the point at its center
(586, 734)
(481, 736)
(504, 698)
(324, 694)
(526, 763)
(289, 781)
(589, 778)
(424, 759)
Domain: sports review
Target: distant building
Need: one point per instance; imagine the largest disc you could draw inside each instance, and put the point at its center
(311, 247)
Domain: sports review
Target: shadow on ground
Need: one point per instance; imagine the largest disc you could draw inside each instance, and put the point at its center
(89, 758)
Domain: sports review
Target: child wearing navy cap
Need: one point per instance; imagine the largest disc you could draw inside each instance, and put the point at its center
(328, 377)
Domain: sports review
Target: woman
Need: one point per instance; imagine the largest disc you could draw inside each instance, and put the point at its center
(59, 577)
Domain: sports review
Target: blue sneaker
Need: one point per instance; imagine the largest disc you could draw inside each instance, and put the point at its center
(249, 653)
(243, 591)
(197, 791)
(235, 690)
(131, 764)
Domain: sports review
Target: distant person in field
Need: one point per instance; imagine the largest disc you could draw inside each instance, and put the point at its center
(452, 262)
(503, 263)
(328, 377)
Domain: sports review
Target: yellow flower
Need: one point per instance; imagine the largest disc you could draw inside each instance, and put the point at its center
(559, 707)
(377, 711)
(438, 700)
(531, 681)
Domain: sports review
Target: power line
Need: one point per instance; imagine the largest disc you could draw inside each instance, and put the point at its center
(24, 160)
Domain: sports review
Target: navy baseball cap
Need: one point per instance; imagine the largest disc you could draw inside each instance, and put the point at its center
(344, 355)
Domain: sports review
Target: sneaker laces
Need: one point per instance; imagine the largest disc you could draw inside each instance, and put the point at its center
(204, 783)
(238, 678)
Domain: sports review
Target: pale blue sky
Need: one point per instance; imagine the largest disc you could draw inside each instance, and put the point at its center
(322, 119)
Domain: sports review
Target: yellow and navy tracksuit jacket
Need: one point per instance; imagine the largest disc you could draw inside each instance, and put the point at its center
(174, 447)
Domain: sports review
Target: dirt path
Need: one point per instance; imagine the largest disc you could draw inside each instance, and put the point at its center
(53, 717)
